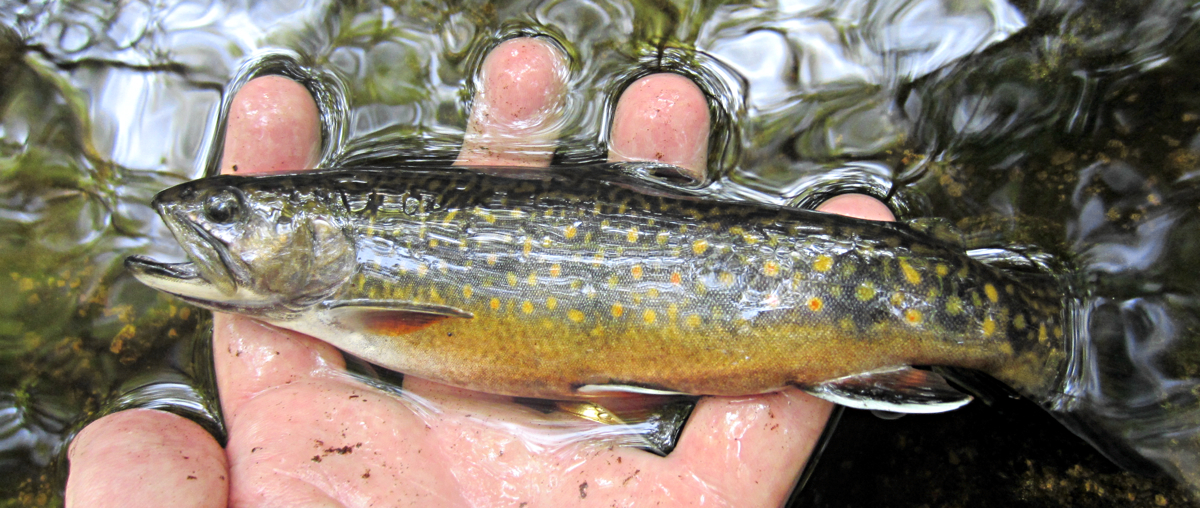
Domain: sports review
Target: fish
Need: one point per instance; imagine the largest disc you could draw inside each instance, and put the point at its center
(578, 284)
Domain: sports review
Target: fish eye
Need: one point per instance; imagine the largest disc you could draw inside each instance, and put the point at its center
(222, 207)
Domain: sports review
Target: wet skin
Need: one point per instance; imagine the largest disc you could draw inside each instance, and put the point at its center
(301, 434)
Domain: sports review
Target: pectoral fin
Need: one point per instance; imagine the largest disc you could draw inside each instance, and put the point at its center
(391, 317)
(904, 390)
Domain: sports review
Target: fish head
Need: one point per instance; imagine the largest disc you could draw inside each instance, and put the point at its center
(261, 250)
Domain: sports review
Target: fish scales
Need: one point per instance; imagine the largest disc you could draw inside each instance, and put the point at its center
(570, 282)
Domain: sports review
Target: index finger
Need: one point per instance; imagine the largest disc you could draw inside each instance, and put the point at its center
(273, 126)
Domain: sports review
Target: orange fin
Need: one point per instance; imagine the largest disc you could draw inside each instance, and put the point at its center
(902, 390)
(391, 317)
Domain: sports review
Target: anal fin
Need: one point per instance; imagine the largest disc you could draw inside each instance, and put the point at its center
(617, 390)
(903, 390)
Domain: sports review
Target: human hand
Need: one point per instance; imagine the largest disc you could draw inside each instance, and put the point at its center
(303, 433)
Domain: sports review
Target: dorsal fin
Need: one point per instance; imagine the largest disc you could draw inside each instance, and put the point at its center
(939, 229)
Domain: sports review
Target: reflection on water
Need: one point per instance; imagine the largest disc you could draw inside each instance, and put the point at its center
(1060, 125)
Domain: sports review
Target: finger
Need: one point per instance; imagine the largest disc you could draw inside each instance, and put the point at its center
(662, 118)
(861, 206)
(143, 457)
(727, 441)
(273, 126)
(517, 111)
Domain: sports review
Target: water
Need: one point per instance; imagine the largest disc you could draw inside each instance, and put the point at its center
(1059, 127)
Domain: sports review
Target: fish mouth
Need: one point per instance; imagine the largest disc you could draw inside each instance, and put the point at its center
(207, 278)
(183, 280)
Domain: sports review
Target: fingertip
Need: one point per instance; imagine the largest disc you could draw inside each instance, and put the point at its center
(515, 118)
(662, 118)
(273, 126)
(860, 206)
(143, 457)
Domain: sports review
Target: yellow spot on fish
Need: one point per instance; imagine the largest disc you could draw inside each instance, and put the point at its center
(555, 270)
(815, 304)
(491, 260)
(942, 270)
(1008, 288)
(467, 291)
(527, 307)
(422, 269)
(954, 305)
(551, 303)
(699, 246)
(913, 316)
(512, 279)
(617, 310)
(636, 271)
(1042, 333)
(632, 235)
(1058, 332)
(649, 316)
(575, 315)
(846, 324)
(726, 278)
(897, 299)
(910, 273)
(494, 304)
(692, 321)
(823, 263)
(570, 232)
(989, 326)
(652, 293)
(865, 291)
(528, 247)
(991, 293)
(771, 268)
(663, 237)
(433, 242)
(612, 281)
(532, 280)
(1019, 322)
(1006, 348)
(576, 284)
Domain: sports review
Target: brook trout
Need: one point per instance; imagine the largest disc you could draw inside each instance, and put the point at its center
(555, 285)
